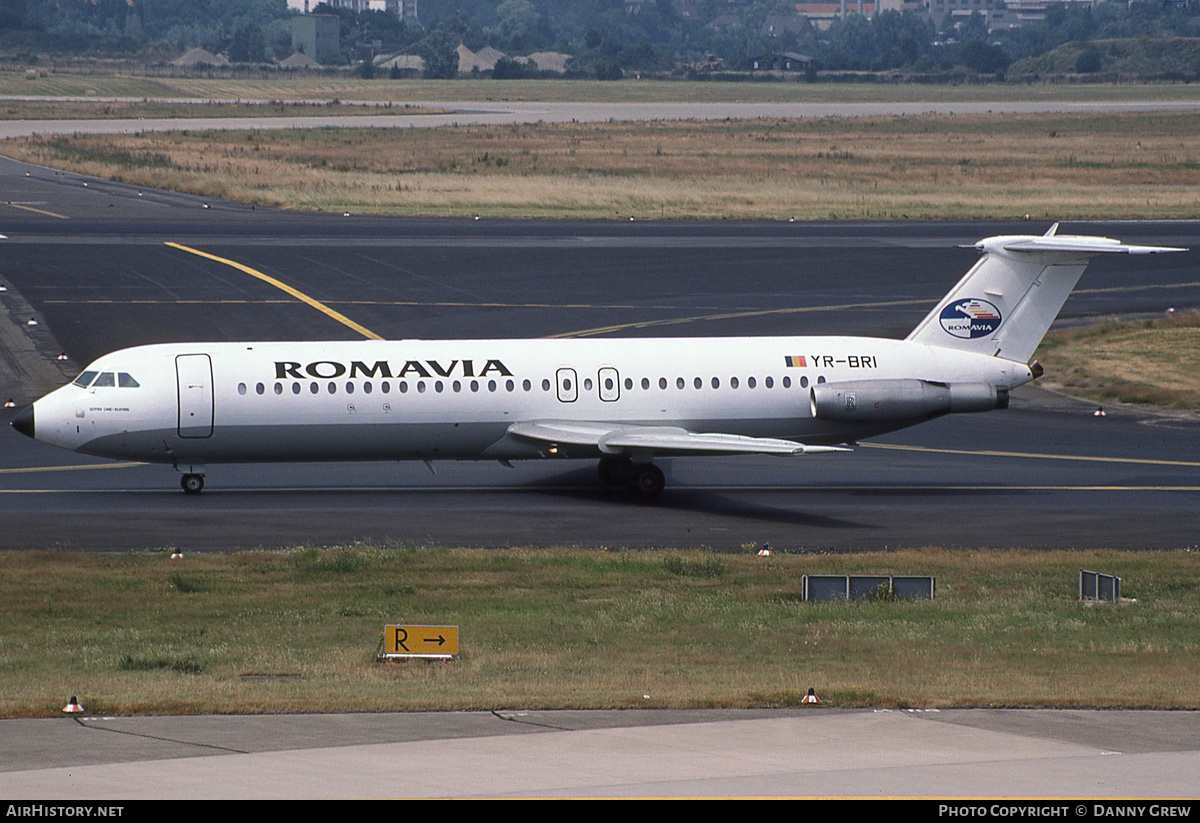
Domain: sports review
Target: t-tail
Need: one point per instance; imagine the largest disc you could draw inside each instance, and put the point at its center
(1005, 304)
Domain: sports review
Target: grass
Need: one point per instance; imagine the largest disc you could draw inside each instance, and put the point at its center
(1143, 362)
(297, 631)
(919, 167)
(93, 80)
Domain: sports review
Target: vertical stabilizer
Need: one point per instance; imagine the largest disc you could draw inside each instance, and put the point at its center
(1007, 301)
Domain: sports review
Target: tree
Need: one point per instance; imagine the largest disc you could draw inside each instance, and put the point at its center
(249, 45)
(507, 68)
(12, 14)
(1088, 61)
(439, 50)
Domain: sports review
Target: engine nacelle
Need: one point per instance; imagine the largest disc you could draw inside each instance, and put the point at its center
(894, 400)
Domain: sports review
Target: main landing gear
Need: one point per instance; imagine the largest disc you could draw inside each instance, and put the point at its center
(644, 480)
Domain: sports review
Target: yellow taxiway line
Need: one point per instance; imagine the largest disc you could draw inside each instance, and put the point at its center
(39, 211)
(1034, 455)
(31, 469)
(284, 287)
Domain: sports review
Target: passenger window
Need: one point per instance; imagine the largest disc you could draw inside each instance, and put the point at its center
(804, 382)
(545, 385)
(662, 383)
(716, 382)
(750, 382)
(84, 380)
(698, 383)
(349, 387)
(105, 379)
(733, 382)
(241, 388)
(279, 388)
(313, 387)
(526, 385)
(509, 385)
(769, 382)
(645, 383)
(126, 381)
(295, 388)
(367, 387)
(260, 388)
(787, 382)
(457, 386)
(679, 384)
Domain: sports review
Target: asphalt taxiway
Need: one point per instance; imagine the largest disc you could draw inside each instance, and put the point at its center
(496, 113)
(92, 266)
(814, 752)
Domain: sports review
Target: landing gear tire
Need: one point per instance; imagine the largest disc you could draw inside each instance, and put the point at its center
(615, 471)
(647, 481)
(192, 483)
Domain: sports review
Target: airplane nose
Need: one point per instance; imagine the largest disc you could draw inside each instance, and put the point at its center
(23, 422)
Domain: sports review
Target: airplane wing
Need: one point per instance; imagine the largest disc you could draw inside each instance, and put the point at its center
(615, 438)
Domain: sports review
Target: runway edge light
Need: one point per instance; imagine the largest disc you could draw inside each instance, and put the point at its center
(811, 697)
(72, 706)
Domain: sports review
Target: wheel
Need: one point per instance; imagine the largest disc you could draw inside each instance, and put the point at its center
(647, 481)
(615, 471)
(192, 483)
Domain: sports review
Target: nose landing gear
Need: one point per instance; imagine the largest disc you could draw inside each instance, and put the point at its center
(192, 481)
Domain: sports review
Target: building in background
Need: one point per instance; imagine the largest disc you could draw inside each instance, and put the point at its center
(317, 36)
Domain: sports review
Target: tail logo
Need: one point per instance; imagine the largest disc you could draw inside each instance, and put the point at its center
(971, 318)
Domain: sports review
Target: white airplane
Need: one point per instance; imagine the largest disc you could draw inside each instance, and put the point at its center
(623, 401)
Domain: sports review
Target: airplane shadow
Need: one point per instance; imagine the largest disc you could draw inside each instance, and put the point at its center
(582, 485)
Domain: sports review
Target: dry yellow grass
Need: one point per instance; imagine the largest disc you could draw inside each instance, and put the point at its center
(988, 166)
(1146, 362)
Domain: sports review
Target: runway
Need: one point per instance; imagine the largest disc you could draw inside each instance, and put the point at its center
(91, 264)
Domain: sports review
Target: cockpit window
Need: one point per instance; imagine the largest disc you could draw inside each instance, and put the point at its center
(84, 380)
(105, 379)
(126, 381)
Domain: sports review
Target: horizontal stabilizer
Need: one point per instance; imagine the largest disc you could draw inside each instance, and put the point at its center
(610, 438)
(1079, 245)
(1004, 305)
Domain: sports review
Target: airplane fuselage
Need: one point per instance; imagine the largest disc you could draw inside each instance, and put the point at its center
(413, 399)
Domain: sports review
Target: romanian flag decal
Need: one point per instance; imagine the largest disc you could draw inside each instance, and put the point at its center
(795, 361)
